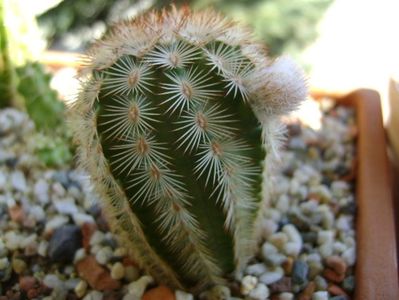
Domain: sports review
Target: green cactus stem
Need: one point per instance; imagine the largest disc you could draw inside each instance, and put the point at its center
(178, 125)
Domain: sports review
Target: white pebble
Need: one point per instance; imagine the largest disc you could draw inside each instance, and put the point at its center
(42, 248)
(326, 249)
(320, 295)
(180, 295)
(268, 249)
(138, 287)
(339, 247)
(94, 295)
(120, 251)
(260, 292)
(325, 237)
(18, 181)
(283, 203)
(339, 188)
(248, 283)
(256, 269)
(12, 240)
(276, 259)
(37, 212)
(52, 281)
(81, 218)
(58, 189)
(97, 238)
(349, 256)
(26, 241)
(40, 190)
(79, 255)
(104, 255)
(272, 276)
(4, 263)
(71, 283)
(292, 233)
(286, 296)
(279, 239)
(117, 271)
(81, 288)
(55, 222)
(268, 227)
(66, 207)
(292, 249)
(344, 223)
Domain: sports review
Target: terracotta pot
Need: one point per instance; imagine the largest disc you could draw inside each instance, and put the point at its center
(376, 267)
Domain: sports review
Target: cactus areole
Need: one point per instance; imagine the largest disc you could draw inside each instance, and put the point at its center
(178, 125)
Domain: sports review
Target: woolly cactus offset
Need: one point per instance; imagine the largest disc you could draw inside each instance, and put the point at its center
(177, 124)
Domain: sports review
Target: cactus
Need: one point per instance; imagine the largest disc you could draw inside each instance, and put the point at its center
(177, 123)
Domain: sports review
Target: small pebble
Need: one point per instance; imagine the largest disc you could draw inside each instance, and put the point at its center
(260, 292)
(256, 269)
(160, 292)
(81, 288)
(337, 264)
(138, 287)
(18, 181)
(64, 243)
(283, 285)
(320, 295)
(94, 295)
(52, 281)
(117, 271)
(272, 276)
(300, 272)
(104, 255)
(286, 296)
(18, 265)
(248, 283)
(349, 256)
(180, 295)
(79, 255)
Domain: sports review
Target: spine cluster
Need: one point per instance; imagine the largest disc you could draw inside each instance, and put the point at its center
(177, 123)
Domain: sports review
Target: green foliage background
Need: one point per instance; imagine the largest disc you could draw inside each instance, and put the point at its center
(286, 26)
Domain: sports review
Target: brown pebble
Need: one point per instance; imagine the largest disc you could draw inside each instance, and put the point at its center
(337, 264)
(287, 265)
(283, 285)
(330, 275)
(335, 290)
(27, 282)
(308, 291)
(29, 223)
(97, 277)
(17, 213)
(33, 293)
(87, 231)
(159, 293)
(31, 249)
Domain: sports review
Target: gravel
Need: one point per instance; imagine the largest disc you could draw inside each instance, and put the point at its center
(55, 242)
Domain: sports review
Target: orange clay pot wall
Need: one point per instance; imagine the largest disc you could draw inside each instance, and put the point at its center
(376, 266)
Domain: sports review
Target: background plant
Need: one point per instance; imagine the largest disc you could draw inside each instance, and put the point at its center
(176, 115)
(83, 18)
(26, 85)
